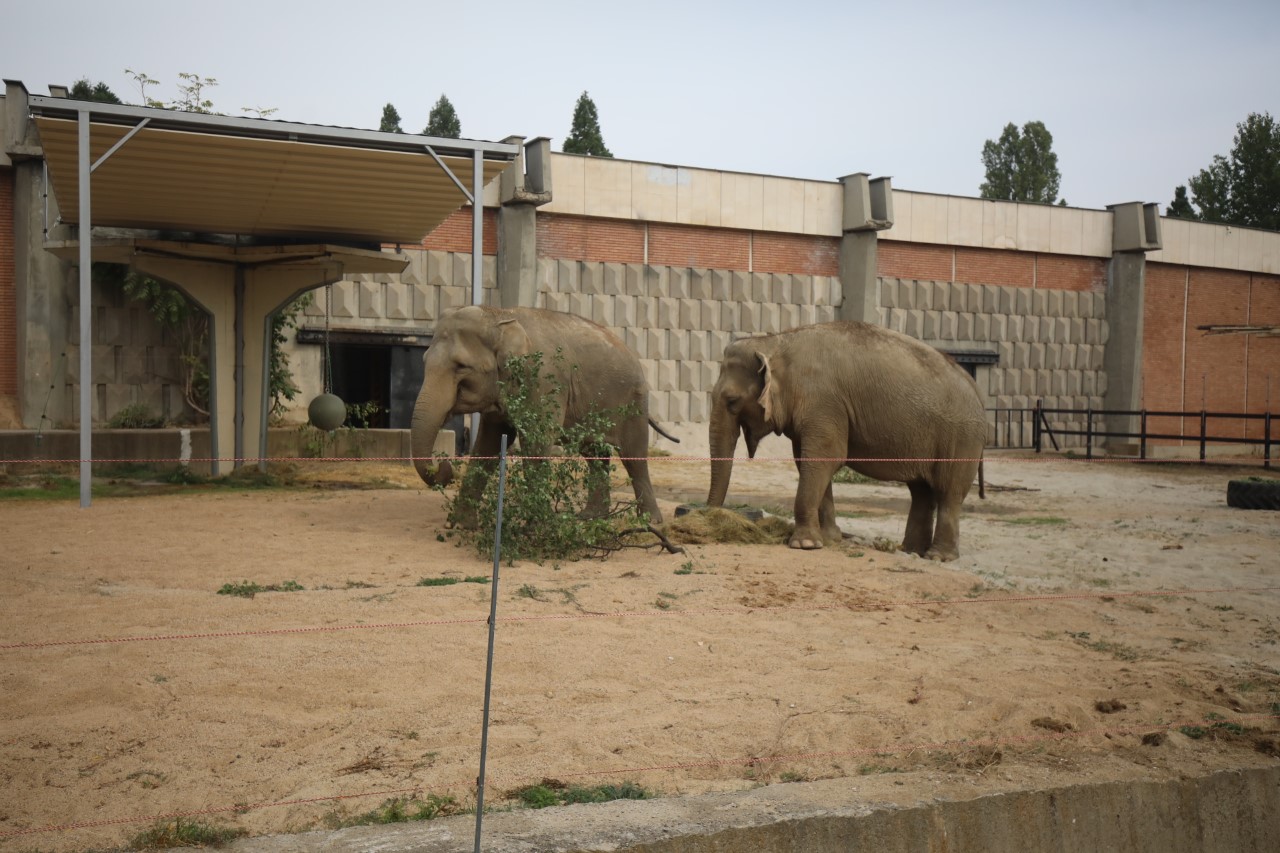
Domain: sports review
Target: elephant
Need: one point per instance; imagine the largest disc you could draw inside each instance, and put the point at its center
(856, 394)
(465, 364)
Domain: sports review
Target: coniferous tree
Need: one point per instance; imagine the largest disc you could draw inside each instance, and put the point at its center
(443, 120)
(390, 120)
(1180, 207)
(585, 136)
(1021, 166)
(84, 90)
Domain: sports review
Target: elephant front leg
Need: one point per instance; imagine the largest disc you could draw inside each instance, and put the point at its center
(814, 490)
(831, 532)
(919, 536)
(465, 512)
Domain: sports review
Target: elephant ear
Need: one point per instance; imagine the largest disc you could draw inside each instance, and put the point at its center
(769, 401)
(512, 340)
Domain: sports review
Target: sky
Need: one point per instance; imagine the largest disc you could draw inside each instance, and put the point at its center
(1138, 94)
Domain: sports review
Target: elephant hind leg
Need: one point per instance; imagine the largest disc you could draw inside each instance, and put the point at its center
(919, 535)
(946, 538)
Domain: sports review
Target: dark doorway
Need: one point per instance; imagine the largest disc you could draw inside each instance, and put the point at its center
(362, 376)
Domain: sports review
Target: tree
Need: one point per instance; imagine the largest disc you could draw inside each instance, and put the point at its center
(443, 120)
(84, 90)
(1021, 166)
(585, 137)
(1180, 207)
(390, 120)
(1243, 188)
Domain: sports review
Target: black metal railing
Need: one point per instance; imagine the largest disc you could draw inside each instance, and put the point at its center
(1027, 429)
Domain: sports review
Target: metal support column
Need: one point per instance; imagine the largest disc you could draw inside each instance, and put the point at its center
(86, 313)
(477, 252)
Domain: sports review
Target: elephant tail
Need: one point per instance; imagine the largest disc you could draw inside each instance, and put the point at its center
(668, 436)
(982, 486)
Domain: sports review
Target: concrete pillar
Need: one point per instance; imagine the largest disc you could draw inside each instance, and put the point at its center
(1135, 231)
(524, 187)
(868, 209)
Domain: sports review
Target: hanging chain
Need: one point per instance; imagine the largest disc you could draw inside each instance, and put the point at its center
(328, 359)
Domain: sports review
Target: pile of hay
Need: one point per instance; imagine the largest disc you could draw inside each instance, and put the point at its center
(716, 525)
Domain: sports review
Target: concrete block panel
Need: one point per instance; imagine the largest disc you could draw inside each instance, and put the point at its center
(820, 288)
(788, 316)
(700, 284)
(964, 327)
(709, 314)
(882, 317)
(546, 276)
(678, 407)
(1021, 355)
(1062, 330)
(658, 402)
(1004, 351)
(132, 365)
(780, 288)
(1008, 300)
(740, 286)
(656, 280)
(1088, 382)
(982, 327)
(1014, 328)
(426, 303)
(749, 318)
(556, 302)
(711, 369)
(655, 344)
(678, 283)
(999, 328)
(913, 325)
(949, 324)
(1093, 332)
(591, 277)
(344, 296)
(809, 314)
(668, 313)
(802, 290)
(1096, 362)
(699, 346)
(699, 408)
(439, 269)
(1036, 356)
(567, 277)
(939, 295)
(761, 287)
(1074, 382)
(1054, 303)
(489, 277)
(601, 309)
(1004, 402)
(624, 311)
(1031, 328)
(770, 319)
(397, 301)
(677, 345)
(666, 375)
(888, 293)
(824, 313)
(1047, 329)
(1053, 356)
(646, 311)
(995, 382)
(461, 269)
(895, 318)
(452, 297)
(1068, 356)
(1043, 381)
(105, 369)
(689, 376)
(1039, 303)
(636, 340)
(720, 284)
(635, 280)
(728, 317)
(649, 367)
(615, 279)
(1022, 300)
(369, 299)
(1023, 401)
(991, 298)
(1070, 303)
(690, 313)
(415, 272)
(974, 297)
(579, 304)
(922, 295)
(932, 325)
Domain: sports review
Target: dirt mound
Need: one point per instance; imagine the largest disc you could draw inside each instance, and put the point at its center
(716, 525)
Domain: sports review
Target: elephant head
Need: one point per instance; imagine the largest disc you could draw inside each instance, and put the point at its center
(745, 400)
(461, 374)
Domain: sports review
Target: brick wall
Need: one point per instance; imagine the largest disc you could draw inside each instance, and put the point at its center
(796, 253)
(454, 234)
(1263, 354)
(926, 262)
(913, 261)
(8, 293)
(579, 238)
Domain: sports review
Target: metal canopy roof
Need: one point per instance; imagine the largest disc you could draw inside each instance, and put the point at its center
(225, 175)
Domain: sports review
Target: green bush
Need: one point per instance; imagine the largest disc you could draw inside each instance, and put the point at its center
(135, 416)
(547, 513)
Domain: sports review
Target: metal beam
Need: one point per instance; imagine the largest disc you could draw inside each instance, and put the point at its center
(86, 313)
(120, 144)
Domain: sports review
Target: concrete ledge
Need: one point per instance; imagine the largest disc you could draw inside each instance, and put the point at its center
(1227, 811)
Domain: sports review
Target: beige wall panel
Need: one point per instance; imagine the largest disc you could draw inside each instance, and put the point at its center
(742, 201)
(1033, 227)
(1226, 247)
(1260, 251)
(823, 208)
(655, 192)
(569, 185)
(964, 221)
(902, 221)
(928, 218)
(1096, 234)
(608, 188)
(783, 205)
(999, 225)
(1175, 234)
(1066, 230)
(1200, 244)
(698, 194)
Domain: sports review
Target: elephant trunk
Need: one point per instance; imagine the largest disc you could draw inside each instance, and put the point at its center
(429, 415)
(724, 443)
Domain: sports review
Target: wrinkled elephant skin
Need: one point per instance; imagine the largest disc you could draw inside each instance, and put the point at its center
(855, 394)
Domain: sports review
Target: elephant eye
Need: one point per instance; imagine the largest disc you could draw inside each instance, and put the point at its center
(733, 402)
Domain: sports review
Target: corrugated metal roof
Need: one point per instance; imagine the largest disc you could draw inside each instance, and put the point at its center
(214, 174)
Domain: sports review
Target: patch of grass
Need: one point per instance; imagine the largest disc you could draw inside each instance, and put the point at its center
(476, 579)
(400, 810)
(248, 589)
(441, 581)
(550, 792)
(848, 475)
(686, 568)
(183, 833)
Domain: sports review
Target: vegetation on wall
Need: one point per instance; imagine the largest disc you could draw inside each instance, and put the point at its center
(1242, 187)
(1021, 165)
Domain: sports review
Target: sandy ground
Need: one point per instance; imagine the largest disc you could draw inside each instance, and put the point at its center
(129, 688)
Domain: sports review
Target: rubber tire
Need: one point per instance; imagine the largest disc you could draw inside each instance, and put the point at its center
(1253, 494)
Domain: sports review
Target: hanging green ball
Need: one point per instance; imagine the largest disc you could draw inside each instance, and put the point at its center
(327, 412)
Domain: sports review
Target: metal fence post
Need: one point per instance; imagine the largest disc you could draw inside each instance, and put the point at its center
(1204, 425)
(1088, 433)
(1142, 441)
(1266, 439)
(1035, 426)
(493, 624)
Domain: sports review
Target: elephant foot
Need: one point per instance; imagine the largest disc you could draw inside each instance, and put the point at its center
(461, 523)
(805, 543)
(941, 555)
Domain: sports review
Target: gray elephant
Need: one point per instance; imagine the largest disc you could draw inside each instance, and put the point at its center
(859, 392)
(595, 371)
